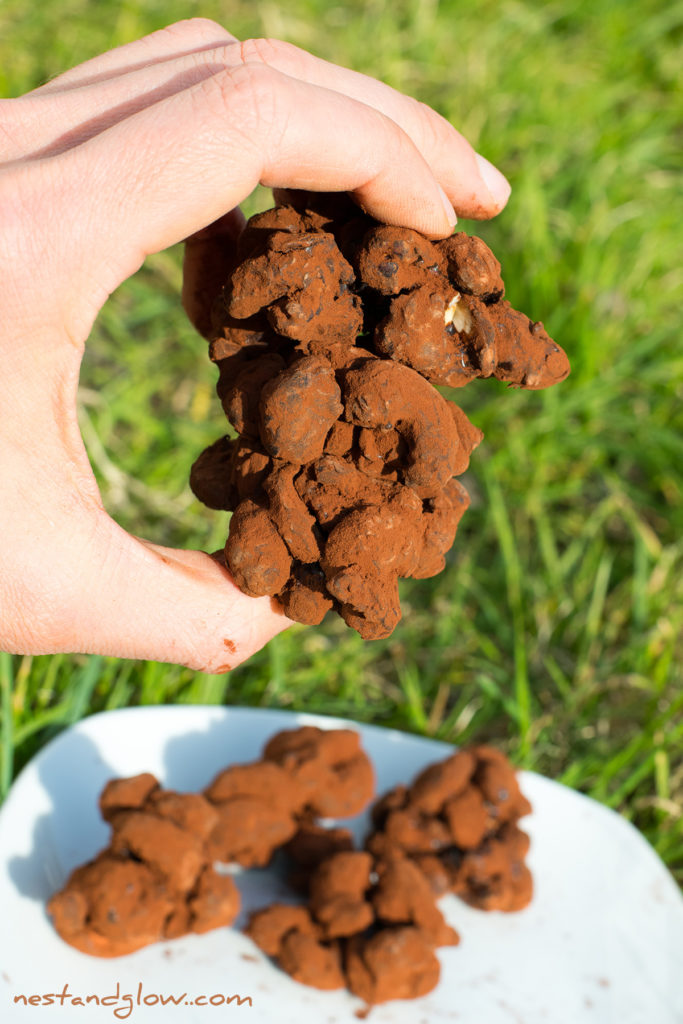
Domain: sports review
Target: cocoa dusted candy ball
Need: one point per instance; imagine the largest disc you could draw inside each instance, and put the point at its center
(328, 766)
(291, 937)
(394, 963)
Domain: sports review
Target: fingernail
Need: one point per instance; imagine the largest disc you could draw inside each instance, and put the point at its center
(498, 186)
(448, 207)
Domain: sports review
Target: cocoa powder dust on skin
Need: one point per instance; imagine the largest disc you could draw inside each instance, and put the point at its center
(366, 919)
(330, 335)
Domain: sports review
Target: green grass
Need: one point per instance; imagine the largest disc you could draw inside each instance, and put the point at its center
(556, 630)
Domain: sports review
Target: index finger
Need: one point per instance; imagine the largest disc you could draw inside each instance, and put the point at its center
(169, 170)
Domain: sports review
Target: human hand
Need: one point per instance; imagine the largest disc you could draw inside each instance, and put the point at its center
(127, 154)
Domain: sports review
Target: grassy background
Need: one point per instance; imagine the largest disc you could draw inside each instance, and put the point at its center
(557, 629)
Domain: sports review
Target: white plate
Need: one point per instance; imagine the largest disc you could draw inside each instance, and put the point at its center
(602, 941)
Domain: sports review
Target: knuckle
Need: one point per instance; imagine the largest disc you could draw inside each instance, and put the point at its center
(196, 30)
(393, 144)
(264, 50)
(437, 136)
(253, 87)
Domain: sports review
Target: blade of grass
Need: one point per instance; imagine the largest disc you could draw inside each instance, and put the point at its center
(7, 731)
(513, 578)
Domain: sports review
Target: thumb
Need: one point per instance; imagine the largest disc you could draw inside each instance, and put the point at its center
(71, 579)
(161, 604)
(90, 587)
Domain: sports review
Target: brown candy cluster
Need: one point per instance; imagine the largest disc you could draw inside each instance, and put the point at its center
(329, 337)
(370, 924)
(156, 879)
(305, 774)
(458, 823)
(370, 919)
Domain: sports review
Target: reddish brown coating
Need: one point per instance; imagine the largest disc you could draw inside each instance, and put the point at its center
(294, 270)
(417, 331)
(302, 751)
(454, 828)
(339, 441)
(269, 926)
(331, 487)
(174, 853)
(472, 267)
(214, 902)
(394, 799)
(126, 794)
(469, 438)
(329, 765)
(289, 514)
(249, 831)
(256, 806)
(305, 597)
(311, 962)
(111, 907)
(284, 217)
(499, 786)
(440, 782)
(153, 881)
(525, 354)
(364, 556)
(314, 315)
(440, 519)
(233, 333)
(337, 893)
(404, 896)
(250, 467)
(438, 874)
(241, 399)
(468, 818)
(211, 476)
(313, 843)
(189, 811)
(255, 554)
(298, 408)
(392, 260)
(264, 780)
(394, 963)
(387, 395)
(381, 453)
(289, 935)
(495, 877)
(413, 832)
(290, 261)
